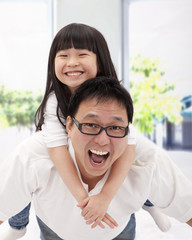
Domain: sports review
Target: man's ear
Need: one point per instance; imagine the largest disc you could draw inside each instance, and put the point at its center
(68, 125)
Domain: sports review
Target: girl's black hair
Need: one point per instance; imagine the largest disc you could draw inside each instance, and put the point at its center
(79, 36)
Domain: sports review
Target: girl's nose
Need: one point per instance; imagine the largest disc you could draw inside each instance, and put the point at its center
(102, 139)
(72, 61)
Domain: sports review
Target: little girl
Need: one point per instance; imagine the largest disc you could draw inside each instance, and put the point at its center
(78, 52)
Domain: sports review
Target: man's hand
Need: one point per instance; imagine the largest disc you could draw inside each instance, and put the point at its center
(94, 210)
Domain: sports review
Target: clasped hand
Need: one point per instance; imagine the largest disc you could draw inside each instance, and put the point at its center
(94, 210)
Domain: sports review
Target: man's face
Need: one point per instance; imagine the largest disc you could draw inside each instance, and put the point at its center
(96, 153)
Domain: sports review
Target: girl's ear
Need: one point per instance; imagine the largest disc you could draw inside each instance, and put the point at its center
(68, 125)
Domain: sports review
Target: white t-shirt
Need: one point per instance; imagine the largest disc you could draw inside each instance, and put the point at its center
(53, 131)
(29, 174)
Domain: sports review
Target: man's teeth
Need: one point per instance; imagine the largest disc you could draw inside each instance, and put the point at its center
(99, 152)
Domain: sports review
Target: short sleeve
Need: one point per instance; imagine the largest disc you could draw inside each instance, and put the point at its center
(54, 133)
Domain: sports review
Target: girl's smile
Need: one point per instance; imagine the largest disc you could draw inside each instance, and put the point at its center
(73, 73)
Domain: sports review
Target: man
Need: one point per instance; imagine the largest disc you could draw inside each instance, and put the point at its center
(99, 115)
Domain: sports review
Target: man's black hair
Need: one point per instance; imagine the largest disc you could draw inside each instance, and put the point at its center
(103, 89)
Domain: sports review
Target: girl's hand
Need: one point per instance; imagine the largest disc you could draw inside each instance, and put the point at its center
(106, 219)
(94, 210)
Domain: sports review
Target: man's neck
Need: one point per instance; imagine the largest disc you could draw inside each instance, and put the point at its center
(91, 181)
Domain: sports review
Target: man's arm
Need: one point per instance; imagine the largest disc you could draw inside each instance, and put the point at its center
(190, 222)
(1, 222)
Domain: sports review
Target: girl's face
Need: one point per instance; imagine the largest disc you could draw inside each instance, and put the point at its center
(75, 66)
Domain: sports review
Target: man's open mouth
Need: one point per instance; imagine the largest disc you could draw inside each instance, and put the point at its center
(98, 157)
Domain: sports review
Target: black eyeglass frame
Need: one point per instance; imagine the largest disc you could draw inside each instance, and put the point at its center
(79, 126)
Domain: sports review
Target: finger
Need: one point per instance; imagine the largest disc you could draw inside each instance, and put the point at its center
(101, 225)
(96, 223)
(88, 214)
(84, 212)
(105, 220)
(90, 221)
(109, 223)
(112, 220)
(90, 217)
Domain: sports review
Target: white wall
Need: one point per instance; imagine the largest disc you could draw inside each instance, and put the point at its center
(105, 15)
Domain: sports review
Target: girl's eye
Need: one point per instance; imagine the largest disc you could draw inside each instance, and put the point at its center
(62, 54)
(83, 54)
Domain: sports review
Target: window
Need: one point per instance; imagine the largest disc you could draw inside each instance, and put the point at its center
(25, 34)
(162, 29)
(25, 38)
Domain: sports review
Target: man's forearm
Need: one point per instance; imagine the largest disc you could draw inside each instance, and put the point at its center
(190, 222)
(1, 222)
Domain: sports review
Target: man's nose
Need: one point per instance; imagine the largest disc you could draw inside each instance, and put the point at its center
(73, 61)
(102, 138)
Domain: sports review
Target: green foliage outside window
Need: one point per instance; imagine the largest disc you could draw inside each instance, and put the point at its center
(153, 97)
(17, 108)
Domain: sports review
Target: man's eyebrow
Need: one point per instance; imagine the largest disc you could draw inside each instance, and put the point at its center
(95, 116)
(119, 119)
(91, 115)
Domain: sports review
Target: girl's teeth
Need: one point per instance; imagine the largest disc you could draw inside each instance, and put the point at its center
(74, 74)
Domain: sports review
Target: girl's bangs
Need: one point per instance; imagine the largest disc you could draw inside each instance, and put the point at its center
(78, 40)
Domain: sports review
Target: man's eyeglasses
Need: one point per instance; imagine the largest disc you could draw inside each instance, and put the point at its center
(96, 129)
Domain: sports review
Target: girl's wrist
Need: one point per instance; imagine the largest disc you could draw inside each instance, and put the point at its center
(80, 197)
(105, 196)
